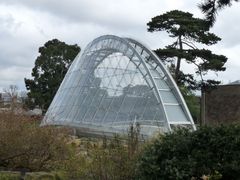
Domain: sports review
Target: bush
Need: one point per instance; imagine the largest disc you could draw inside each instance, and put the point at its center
(7, 175)
(110, 161)
(113, 158)
(10, 176)
(208, 152)
(41, 176)
(27, 147)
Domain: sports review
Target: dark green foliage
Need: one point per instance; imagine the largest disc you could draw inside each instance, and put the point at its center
(212, 152)
(50, 68)
(211, 7)
(188, 31)
(178, 23)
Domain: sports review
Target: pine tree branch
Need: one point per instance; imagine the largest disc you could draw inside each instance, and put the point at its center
(189, 45)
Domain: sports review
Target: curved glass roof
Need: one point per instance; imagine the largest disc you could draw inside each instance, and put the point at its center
(116, 82)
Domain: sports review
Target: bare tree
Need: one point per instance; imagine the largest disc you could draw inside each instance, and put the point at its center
(12, 93)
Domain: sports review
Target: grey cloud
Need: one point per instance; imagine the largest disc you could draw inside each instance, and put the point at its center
(8, 23)
(13, 75)
(227, 26)
(14, 52)
(106, 12)
(122, 14)
(9, 50)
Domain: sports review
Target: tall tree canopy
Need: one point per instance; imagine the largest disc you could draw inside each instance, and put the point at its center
(211, 7)
(187, 32)
(49, 70)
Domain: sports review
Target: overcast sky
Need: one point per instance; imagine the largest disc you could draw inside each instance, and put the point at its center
(25, 25)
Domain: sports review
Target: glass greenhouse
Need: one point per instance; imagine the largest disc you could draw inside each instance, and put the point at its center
(116, 82)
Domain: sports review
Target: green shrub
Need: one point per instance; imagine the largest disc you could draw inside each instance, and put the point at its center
(210, 152)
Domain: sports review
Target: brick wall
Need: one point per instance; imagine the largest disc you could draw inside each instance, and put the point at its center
(223, 105)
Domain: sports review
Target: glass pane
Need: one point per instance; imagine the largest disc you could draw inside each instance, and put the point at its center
(168, 97)
(175, 114)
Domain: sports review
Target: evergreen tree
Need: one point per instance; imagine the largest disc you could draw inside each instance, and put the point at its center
(50, 68)
(188, 32)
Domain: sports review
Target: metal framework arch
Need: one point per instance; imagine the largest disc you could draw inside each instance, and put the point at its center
(171, 81)
(116, 82)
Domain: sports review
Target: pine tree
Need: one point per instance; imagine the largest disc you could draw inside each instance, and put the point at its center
(188, 32)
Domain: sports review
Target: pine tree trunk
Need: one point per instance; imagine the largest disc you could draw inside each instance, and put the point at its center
(203, 108)
(178, 61)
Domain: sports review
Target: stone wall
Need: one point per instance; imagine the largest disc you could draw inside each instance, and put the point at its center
(223, 105)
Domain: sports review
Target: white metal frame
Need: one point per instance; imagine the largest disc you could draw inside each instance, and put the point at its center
(131, 46)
